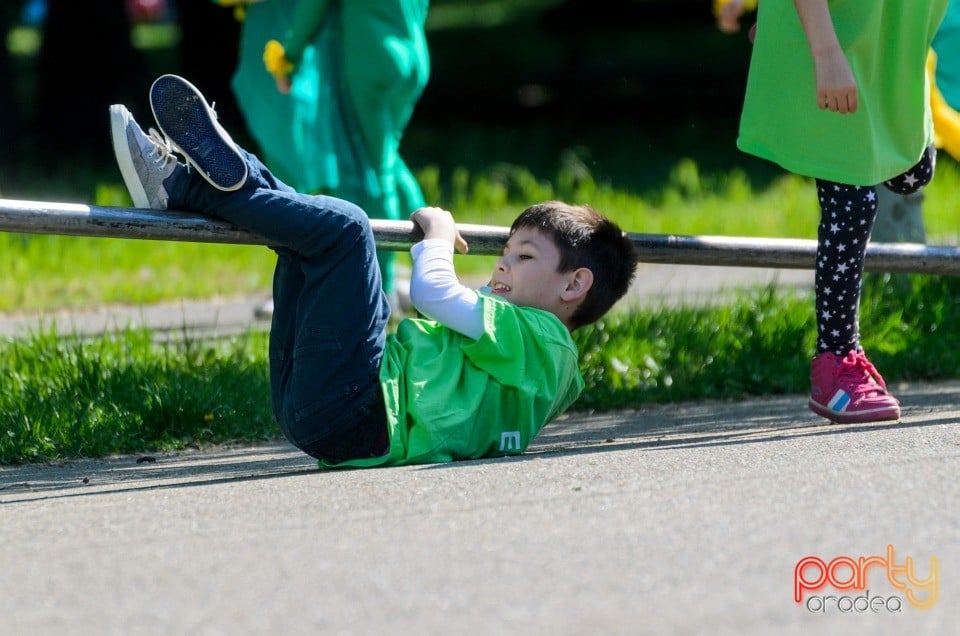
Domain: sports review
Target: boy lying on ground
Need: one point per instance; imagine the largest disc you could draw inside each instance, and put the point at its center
(481, 376)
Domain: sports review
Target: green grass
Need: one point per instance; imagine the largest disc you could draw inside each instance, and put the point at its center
(122, 393)
(51, 272)
(73, 396)
(761, 344)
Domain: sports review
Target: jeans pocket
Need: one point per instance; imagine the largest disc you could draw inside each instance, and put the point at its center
(317, 339)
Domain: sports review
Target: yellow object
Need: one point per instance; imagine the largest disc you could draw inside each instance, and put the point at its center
(239, 7)
(748, 5)
(946, 121)
(275, 59)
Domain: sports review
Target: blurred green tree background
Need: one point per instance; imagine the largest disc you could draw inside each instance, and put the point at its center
(631, 87)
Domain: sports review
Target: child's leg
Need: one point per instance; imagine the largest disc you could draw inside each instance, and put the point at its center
(900, 203)
(847, 215)
(324, 380)
(916, 177)
(287, 280)
(327, 342)
(844, 386)
(259, 203)
(846, 220)
(330, 315)
(264, 205)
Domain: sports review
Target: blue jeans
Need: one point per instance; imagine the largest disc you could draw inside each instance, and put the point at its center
(330, 312)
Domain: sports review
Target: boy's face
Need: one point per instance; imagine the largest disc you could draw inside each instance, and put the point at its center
(527, 275)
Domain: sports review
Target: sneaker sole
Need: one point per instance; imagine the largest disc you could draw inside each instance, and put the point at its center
(119, 118)
(885, 414)
(186, 119)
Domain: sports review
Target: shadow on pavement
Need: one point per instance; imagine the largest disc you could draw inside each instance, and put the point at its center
(78, 478)
(659, 427)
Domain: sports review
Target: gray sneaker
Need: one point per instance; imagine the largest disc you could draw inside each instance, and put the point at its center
(191, 127)
(145, 160)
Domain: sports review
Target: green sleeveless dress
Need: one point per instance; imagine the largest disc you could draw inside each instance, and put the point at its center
(886, 44)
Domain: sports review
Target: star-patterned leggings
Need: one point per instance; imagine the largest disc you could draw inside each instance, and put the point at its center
(847, 216)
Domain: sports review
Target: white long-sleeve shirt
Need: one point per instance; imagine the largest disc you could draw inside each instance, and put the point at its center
(437, 293)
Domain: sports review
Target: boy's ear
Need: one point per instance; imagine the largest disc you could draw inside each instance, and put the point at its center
(578, 284)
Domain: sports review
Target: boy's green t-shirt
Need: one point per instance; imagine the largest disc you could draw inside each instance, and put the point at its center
(450, 397)
(886, 44)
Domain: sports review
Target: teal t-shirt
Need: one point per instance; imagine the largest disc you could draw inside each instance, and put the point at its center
(450, 397)
(886, 44)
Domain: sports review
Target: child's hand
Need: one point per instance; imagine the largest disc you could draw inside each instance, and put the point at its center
(836, 86)
(438, 223)
(284, 85)
(728, 16)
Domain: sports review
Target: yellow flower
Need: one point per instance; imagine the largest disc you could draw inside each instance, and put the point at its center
(275, 59)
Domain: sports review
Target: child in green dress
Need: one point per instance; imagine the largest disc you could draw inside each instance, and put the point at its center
(836, 91)
(349, 75)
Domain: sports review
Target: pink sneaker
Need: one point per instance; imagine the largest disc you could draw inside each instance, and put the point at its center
(849, 390)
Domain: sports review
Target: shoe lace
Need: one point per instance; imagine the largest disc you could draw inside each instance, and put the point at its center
(162, 147)
(859, 374)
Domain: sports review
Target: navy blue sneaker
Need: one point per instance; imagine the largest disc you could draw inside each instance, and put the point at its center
(191, 127)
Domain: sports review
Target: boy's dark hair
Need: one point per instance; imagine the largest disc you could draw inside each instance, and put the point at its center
(586, 238)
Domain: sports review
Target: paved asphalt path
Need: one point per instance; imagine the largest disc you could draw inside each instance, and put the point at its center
(678, 519)
(675, 519)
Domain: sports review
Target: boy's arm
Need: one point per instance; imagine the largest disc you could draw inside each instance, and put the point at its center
(836, 86)
(435, 289)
